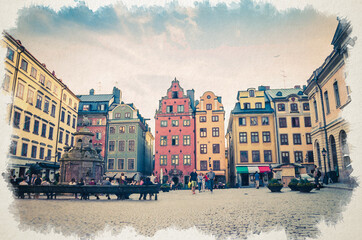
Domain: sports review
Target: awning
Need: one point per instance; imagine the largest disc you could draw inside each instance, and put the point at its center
(264, 169)
(242, 169)
(253, 169)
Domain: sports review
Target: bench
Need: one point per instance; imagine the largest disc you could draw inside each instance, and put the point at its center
(122, 192)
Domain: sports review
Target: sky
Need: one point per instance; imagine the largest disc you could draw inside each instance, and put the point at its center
(221, 47)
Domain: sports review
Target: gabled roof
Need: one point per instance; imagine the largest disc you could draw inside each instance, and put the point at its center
(95, 98)
(285, 93)
(343, 25)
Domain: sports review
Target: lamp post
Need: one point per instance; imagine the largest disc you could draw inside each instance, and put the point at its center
(325, 178)
(209, 162)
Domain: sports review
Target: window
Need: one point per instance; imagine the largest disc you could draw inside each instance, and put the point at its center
(298, 156)
(86, 107)
(130, 164)
(216, 165)
(315, 110)
(180, 108)
(202, 118)
(306, 106)
(174, 94)
(46, 106)
(203, 165)
(187, 159)
(6, 82)
(203, 132)
(98, 135)
(101, 107)
(66, 139)
(307, 122)
(73, 123)
(99, 122)
(164, 123)
(163, 141)
(310, 156)
(174, 159)
(13, 147)
(62, 117)
(294, 107)
(242, 121)
(27, 124)
(258, 105)
(203, 148)
(169, 109)
(61, 137)
(16, 120)
(264, 120)
(121, 146)
(122, 129)
(72, 141)
(297, 139)
(267, 156)
(285, 157)
(33, 73)
(131, 145)
(244, 156)
(132, 129)
(175, 140)
(117, 115)
(243, 137)
(68, 120)
(33, 151)
(266, 136)
(41, 153)
(24, 150)
(255, 156)
(282, 122)
(251, 93)
(174, 123)
(39, 101)
(50, 136)
(43, 130)
(111, 146)
(253, 121)
(208, 106)
(55, 90)
(187, 140)
(52, 113)
(163, 160)
(20, 91)
(283, 139)
(281, 107)
(120, 164)
(10, 54)
(49, 83)
(24, 65)
(186, 122)
(64, 97)
(49, 154)
(326, 99)
(308, 138)
(215, 118)
(215, 132)
(254, 137)
(112, 130)
(336, 94)
(36, 127)
(215, 148)
(110, 163)
(295, 121)
(42, 80)
(30, 97)
(246, 105)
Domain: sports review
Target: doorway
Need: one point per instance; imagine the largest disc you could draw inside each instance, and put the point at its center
(175, 180)
(244, 179)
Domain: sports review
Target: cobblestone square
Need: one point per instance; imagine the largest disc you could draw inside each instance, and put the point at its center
(223, 213)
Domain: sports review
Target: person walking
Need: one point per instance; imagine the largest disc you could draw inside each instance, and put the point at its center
(211, 177)
(257, 179)
(193, 179)
(316, 174)
(199, 181)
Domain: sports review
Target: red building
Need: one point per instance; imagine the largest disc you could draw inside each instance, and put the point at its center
(175, 140)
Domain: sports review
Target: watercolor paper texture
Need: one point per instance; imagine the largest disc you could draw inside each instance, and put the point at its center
(219, 46)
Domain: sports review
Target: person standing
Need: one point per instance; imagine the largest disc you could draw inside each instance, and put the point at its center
(37, 182)
(317, 174)
(257, 179)
(199, 181)
(211, 177)
(193, 179)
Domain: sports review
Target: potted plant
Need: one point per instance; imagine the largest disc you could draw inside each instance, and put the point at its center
(274, 185)
(293, 184)
(305, 186)
(165, 187)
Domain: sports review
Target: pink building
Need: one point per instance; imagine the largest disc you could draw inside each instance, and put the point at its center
(175, 140)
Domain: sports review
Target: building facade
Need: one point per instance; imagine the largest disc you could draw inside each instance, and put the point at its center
(210, 136)
(43, 112)
(129, 143)
(328, 96)
(251, 137)
(175, 137)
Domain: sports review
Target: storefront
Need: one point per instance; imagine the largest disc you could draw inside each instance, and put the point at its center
(245, 175)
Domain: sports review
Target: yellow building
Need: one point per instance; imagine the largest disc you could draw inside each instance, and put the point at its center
(43, 112)
(210, 140)
(251, 137)
(328, 95)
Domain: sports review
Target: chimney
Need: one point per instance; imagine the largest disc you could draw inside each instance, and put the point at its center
(219, 99)
(53, 73)
(117, 95)
(297, 87)
(263, 88)
(43, 64)
(91, 92)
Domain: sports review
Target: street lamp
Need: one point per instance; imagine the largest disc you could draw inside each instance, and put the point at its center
(209, 162)
(325, 178)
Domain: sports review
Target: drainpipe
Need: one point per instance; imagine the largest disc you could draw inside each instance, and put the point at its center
(22, 49)
(59, 116)
(277, 131)
(106, 144)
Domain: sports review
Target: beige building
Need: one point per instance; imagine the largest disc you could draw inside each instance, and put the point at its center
(210, 136)
(328, 95)
(43, 112)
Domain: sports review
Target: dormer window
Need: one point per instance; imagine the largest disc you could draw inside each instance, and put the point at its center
(246, 105)
(174, 94)
(258, 105)
(279, 94)
(127, 115)
(251, 93)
